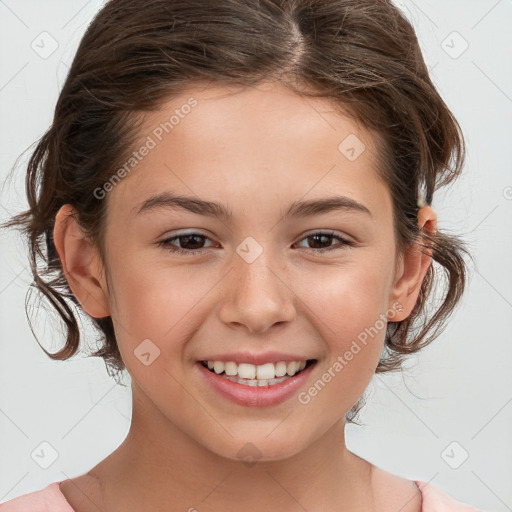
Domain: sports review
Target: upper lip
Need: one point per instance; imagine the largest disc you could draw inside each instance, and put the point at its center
(254, 358)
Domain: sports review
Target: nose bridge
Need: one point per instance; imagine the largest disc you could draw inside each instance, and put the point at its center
(258, 295)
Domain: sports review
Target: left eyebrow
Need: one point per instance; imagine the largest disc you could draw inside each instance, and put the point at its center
(207, 208)
(325, 205)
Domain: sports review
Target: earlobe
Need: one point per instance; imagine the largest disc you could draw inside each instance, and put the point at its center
(414, 267)
(80, 263)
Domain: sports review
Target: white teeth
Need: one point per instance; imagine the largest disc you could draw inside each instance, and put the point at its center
(292, 368)
(255, 382)
(262, 374)
(281, 369)
(218, 366)
(230, 368)
(265, 371)
(246, 371)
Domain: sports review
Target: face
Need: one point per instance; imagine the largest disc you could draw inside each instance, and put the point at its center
(271, 281)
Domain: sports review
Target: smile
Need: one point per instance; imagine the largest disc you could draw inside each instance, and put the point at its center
(252, 385)
(267, 374)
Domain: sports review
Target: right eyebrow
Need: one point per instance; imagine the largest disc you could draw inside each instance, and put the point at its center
(169, 200)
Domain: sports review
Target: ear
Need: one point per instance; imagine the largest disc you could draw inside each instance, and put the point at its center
(81, 263)
(412, 269)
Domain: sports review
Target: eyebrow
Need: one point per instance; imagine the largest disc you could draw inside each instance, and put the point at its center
(168, 200)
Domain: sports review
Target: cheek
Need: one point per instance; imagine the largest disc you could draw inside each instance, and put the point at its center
(349, 300)
(350, 316)
(154, 308)
(157, 301)
(349, 303)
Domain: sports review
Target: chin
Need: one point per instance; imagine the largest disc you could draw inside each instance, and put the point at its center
(258, 448)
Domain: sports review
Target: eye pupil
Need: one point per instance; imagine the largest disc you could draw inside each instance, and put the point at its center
(194, 246)
(318, 236)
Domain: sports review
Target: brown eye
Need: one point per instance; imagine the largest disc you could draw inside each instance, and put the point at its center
(191, 243)
(321, 241)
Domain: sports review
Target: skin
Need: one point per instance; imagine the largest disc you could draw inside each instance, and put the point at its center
(255, 150)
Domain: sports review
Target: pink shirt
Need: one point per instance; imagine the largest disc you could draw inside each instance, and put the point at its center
(50, 499)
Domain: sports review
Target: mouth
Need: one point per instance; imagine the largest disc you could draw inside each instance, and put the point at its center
(263, 375)
(256, 385)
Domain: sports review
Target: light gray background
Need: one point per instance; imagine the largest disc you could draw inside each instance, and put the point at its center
(457, 390)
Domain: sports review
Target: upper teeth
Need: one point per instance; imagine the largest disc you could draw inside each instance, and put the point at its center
(263, 371)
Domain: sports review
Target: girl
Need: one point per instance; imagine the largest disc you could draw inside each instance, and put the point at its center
(298, 143)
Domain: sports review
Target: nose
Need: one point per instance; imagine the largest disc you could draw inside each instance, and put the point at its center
(257, 296)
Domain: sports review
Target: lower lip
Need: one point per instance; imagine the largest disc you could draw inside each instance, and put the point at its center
(256, 396)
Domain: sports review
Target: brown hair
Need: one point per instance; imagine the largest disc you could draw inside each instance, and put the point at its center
(362, 55)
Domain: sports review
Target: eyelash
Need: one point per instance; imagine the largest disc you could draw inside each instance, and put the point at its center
(167, 243)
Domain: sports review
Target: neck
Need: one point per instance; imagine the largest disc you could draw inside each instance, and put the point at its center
(158, 465)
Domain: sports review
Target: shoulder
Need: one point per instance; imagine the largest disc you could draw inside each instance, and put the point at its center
(397, 493)
(435, 500)
(394, 492)
(47, 499)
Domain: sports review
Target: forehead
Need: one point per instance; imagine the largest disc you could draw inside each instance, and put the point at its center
(223, 141)
(270, 114)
